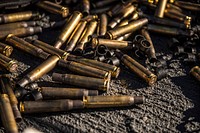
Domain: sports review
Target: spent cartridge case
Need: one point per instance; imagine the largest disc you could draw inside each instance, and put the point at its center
(10, 26)
(96, 64)
(82, 81)
(195, 72)
(84, 69)
(21, 32)
(7, 116)
(160, 9)
(131, 27)
(48, 48)
(167, 30)
(66, 93)
(39, 71)
(50, 106)
(113, 44)
(90, 29)
(100, 10)
(5, 49)
(102, 3)
(68, 28)
(75, 36)
(7, 89)
(187, 5)
(53, 8)
(8, 64)
(86, 7)
(18, 16)
(137, 68)
(103, 24)
(25, 46)
(111, 101)
(90, 18)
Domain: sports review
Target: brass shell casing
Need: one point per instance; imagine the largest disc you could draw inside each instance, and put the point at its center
(25, 46)
(7, 116)
(187, 5)
(195, 72)
(86, 7)
(111, 101)
(10, 26)
(82, 81)
(50, 106)
(96, 64)
(66, 93)
(131, 27)
(8, 63)
(5, 49)
(39, 71)
(68, 28)
(160, 9)
(18, 16)
(103, 24)
(53, 8)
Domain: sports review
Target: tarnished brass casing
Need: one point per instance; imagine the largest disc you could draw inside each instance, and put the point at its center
(103, 24)
(53, 8)
(90, 18)
(85, 7)
(10, 26)
(18, 16)
(137, 68)
(39, 71)
(7, 89)
(7, 116)
(50, 106)
(96, 64)
(82, 69)
(187, 5)
(5, 49)
(68, 28)
(82, 81)
(195, 72)
(8, 63)
(111, 101)
(160, 9)
(25, 46)
(131, 27)
(66, 93)
(102, 3)
(75, 36)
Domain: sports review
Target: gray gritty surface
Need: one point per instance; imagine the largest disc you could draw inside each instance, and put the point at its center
(172, 104)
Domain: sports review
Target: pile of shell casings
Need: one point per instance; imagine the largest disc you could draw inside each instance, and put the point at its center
(95, 37)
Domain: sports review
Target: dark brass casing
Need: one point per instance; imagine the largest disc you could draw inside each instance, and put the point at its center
(25, 46)
(100, 10)
(75, 36)
(7, 116)
(167, 30)
(85, 7)
(84, 69)
(82, 81)
(89, 30)
(111, 101)
(137, 68)
(10, 26)
(53, 8)
(20, 32)
(39, 71)
(113, 44)
(68, 28)
(66, 93)
(103, 24)
(102, 3)
(50, 106)
(187, 5)
(160, 9)
(48, 48)
(195, 72)
(7, 89)
(151, 52)
(18, 16)
(131, 27)
(8, 63)
(5, 49)
(96, 64)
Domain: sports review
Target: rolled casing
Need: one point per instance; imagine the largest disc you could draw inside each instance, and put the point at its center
(82, 81)
(66, 93)
(50, 106)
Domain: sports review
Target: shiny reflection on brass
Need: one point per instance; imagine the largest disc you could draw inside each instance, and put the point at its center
(160, 9)
(68, 28)
(53, 8)
(111, 101)
(5, 49)
(82, 81)
(137, 68)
